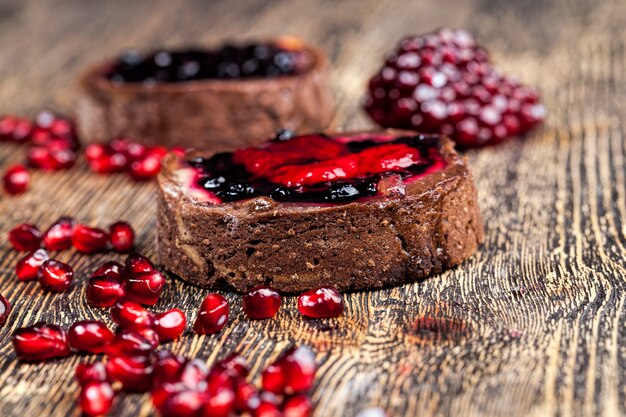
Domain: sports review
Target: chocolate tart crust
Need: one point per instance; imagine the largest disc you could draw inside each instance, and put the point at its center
(216, 115)
(295, 247)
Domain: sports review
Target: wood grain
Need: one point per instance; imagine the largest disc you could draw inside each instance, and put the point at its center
(533, 325)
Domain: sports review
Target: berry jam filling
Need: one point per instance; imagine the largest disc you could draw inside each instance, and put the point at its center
(228, 62)
(317, 168)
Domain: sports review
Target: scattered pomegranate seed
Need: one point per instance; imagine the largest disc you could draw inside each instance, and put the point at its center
(267, 409)
(133, 372)
(16, 179)
(59, 235)
(298, 406)
(110, 269)
(184, 403)
(235, 365)
(89, 239)
(91, 372)
(145, 169)
(293, 372)
(133, 343)
(321, 303)
(89, 336)
(122, 237)
(170, 324)
(40, 342)
(103, 291)
(145, 287)
(274, 378)
(15, 129)
(25, 237)
(136, 264)
(221, 402)
(167, 367)
(27, 268)
(261, 303)
(213, 315)
(131, 315)
(55, 276)
(246, 397)
(96, 398)
(5, 310)
(193, 373)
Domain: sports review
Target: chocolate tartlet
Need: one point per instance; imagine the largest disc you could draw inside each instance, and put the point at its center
(350, 210)
(221, 99)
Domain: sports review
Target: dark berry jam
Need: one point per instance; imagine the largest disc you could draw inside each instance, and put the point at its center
(317, 168)
(228, 62)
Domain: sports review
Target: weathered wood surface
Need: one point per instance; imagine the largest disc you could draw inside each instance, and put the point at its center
(536, 320)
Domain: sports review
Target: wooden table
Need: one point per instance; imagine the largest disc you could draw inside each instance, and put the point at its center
(533, 325)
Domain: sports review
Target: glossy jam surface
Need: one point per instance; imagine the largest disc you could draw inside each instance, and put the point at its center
(228, 62)
(317, 168)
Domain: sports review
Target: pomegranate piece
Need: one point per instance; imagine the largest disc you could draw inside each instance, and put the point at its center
(103, 291)
(146, 168)
(321, 303)
(273, 378)
(235, 365)
(59, 235)
(213, 315)
(89, 239)
(27, 268)
(267, 409)
(443, 82)
(261, 303)
(221, 402)
(246, 397)
(110, 269)
(96, 398)
(131, 315)
(55, 276)
(194, 373)
(185, 403)
(53, 157)
(15, 129)
(170, 324)
(40, 342)
(162, 392)
(298, 406)
(136, 264)
(5, 310)
(133, 343)
(89, 336)
(91, 372)
(133, 372)
(25, 237)
(145, 287)
(167, 367)
(122, 237)
(16, 179)
(293, 372)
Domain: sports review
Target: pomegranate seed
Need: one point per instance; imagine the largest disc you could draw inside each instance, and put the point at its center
(145, 169)
(170, 324)
(40, 342)
(15, 129)
(261, 303)
(27, 268)
(122, 237)
(89, 239)
(5, 310)
(133, 343)
(221, 402)
(110, 269)
(185, 403)
(298, 406)
(267, 409)
(246, 397)
(145, 288)
(89, 336)
(59, 235)
(235, 365)
(193, 373)
(119, 145)
(25, 237)
(321, 303)
(167, 367)
(109, 163)
(94, 151)
(299, 367)
(96, 398)
(16, 179)
(131, 315)
(55, 276)
(133, 372)
(136, 264)
(91, 372)
(135, 151)
(213, 315)
(273, 378)
(162, 392)
(103, 291)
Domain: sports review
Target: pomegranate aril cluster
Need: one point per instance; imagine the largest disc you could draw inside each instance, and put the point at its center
(444, 82)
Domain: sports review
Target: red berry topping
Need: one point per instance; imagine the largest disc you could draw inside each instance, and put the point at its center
(261, 303)
(89, 239)
(40, 342)
(298, 406)
(144, 287)
(133, 372)
(5, 310)
(103, 291)
(15, 129)
(122, 237)
(96, 398)
(170, 324)
(131, 315)
(25, 237)
(110, 269)
(55, 276)
(444, 82)
(133, 343)
(321, 303)
(16, 179)
(90, 372)
(59, 235)
(27, 268)
(213, 315)
(89, 336)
